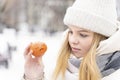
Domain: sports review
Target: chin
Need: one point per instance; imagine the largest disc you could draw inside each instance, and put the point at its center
(77, 55)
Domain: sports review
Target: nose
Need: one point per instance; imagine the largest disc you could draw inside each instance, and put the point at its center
(74, 40)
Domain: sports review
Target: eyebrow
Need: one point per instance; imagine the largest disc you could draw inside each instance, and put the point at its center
(83, 31)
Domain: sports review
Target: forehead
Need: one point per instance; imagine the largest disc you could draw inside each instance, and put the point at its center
(72, 27)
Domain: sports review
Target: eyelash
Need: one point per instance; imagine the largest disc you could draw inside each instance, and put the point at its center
(70, 32)
(82, 35)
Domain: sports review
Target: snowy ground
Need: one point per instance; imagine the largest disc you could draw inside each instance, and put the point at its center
(16, 69)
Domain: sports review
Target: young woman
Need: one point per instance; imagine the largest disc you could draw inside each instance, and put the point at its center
(90, 50)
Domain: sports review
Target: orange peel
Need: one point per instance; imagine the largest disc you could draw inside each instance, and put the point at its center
(38, 48)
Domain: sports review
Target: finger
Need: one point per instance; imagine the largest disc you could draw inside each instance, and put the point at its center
(29, 55)
(39, 59)
(27, 49)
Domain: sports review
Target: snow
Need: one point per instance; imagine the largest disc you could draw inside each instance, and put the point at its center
(16, 67)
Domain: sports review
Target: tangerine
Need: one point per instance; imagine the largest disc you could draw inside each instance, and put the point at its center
(38, 48)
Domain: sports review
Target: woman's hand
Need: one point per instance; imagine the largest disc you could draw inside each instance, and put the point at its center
(34, 68)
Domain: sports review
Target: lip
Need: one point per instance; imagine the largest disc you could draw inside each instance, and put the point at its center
(75, 49)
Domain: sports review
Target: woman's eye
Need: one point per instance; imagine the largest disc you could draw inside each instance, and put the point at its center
(70, 32)
(83, 35)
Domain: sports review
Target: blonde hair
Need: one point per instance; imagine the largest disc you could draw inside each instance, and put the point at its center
(88, 68)
(62, 61)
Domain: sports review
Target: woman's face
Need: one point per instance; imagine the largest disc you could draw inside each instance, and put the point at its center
(80, 40)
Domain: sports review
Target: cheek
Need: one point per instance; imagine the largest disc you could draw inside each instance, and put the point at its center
(86, 45)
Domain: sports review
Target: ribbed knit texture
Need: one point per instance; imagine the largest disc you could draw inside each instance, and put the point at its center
(96, 15)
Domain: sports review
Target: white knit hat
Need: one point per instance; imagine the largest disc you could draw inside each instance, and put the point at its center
(99, 16)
